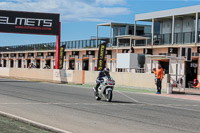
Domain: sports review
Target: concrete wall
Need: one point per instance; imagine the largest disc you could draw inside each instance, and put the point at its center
(143, 80)
(157, 51)
(4, 72)
(38, 74)
(69, 76)
(140, 80)
(90, 77)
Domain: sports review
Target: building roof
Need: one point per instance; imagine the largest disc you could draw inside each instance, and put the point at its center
(114, 24)
(133, 37)
(167, 13)
(120, 24)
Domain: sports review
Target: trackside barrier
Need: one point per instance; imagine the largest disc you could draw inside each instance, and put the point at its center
(63, 76)
(5, 72)
(140, 80)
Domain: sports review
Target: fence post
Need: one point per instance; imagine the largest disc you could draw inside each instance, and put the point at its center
(169, 87)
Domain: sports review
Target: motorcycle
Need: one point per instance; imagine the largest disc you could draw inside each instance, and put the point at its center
(105, 90)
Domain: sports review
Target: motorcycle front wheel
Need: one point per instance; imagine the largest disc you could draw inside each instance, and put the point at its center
(109, 96)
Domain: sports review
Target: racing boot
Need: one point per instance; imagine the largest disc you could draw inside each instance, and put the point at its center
(95, 91)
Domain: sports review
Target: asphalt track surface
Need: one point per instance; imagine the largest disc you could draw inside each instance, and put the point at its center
(74, 109)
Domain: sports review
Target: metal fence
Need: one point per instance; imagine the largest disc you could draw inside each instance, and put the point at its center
(80, 44)
(179, 38)
(159, 39)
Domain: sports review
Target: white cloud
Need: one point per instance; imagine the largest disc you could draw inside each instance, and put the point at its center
(70, 10)
(111, 2)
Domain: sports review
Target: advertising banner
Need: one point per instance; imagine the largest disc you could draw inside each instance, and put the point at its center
(62, 51)
(101, 56)
(29, 22)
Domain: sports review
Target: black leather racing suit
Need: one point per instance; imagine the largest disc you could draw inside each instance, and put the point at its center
(99, 79)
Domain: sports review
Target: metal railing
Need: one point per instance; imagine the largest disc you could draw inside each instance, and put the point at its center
(184, 38)
(159, 39)
(79, 44)
(179, 38)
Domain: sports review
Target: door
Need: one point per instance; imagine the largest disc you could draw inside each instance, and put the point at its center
(71, 65)
(191, 72)
(4, 63)
(19, 63)
(37, 63)
(165, 66)
(28, 62)
(86, 65)
(48, 63)
(11, 63)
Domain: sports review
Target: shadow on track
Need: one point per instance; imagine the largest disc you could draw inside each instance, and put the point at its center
(120, 102)
(9, 81)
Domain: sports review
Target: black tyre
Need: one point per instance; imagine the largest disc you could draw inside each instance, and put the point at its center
(97, 98)
(109, 96)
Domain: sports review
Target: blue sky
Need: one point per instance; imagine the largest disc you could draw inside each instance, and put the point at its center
(80, 17)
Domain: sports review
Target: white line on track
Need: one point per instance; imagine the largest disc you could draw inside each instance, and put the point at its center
(86, 104)
(34, 123)
(159, 105)
(100, 104)
(128, 96)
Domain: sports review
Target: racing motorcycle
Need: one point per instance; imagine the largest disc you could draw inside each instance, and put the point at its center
(105, 90)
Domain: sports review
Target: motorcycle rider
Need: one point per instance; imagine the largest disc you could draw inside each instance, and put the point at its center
(102, 74)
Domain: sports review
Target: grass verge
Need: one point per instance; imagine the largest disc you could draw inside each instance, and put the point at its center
(8, 125)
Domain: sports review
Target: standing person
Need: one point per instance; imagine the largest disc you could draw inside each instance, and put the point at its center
(159, 74)
(30, 65)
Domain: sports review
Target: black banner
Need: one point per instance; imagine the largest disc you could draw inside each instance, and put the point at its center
(198, 49)
(148, 51)
(101, 56)
(62, 51)
(173, 50)
(29, 22)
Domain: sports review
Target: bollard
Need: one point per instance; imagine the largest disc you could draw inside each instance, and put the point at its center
(169, 88)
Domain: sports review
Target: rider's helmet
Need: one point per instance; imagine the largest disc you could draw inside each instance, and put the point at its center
(106, 70)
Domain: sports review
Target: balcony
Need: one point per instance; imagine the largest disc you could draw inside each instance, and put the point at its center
(179, 38)
(12, 57)
(39, 57)
(81, 44)
(87, 56)
(195, 54)
(184, 38)
(5, 57)
(162, 39)
(49, 57)
(31, 56)
(73, 56)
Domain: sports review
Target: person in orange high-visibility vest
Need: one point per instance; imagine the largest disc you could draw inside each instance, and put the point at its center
(159, 74)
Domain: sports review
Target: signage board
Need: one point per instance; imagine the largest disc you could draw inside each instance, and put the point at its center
(101, 56)
(62, 52)
(29, 22)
